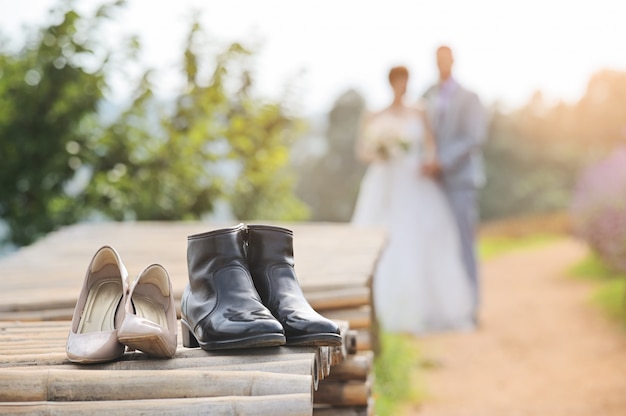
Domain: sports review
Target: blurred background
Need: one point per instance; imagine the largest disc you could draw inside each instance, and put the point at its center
(239, 110)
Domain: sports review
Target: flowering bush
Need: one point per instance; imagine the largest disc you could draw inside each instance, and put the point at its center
(599, 208)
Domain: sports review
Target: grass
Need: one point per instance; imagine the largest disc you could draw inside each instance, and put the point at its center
(396, 374)
(527, 231)
(610, 298)
(593, 268)
(493, 246)
(610, 292)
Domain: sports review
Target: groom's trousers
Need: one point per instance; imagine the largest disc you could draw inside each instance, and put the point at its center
(463, 202)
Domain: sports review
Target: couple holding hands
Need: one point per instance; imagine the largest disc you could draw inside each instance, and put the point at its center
(424, 172)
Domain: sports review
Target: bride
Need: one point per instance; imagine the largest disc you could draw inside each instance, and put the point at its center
(419, 284)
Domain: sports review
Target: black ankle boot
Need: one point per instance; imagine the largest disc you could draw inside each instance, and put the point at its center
(270, 260)
(220, 308)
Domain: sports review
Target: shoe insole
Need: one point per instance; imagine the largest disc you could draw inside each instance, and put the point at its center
(102, 302)
(147, 306)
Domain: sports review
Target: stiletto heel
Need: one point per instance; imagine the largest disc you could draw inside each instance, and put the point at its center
(189, 340)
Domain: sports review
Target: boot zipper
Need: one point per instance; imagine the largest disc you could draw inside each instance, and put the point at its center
(246, 234)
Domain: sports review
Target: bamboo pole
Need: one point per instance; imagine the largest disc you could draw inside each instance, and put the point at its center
(182, 359)
(40, 305)
(343, 393)
(342, 411)
(38, 315)
(284, 404)
(350, 341)
(325, 360)
(48, 358)
(10, 325)
(34, 346)
(16, 340)
(359, 318)
(304, 367)
(344, 330)
(356, 367)
(364, 340)
(72, 385)
(338, 298)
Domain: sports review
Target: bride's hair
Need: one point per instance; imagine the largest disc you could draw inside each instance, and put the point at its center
(398, 72)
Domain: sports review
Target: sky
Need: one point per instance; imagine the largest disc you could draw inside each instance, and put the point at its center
(505, 50)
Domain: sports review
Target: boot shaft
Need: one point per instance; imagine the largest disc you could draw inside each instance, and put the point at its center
(271, 264)
(269, 245)
(214, 250)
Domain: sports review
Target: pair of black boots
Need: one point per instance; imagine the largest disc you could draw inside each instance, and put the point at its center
(243, 292)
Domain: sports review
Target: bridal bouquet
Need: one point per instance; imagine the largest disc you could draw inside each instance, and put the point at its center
(385, 142)
(386, 147)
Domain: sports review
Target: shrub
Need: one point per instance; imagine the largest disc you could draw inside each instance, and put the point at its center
(396, 371)
(599, 208)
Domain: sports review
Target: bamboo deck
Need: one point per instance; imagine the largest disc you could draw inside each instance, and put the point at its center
(39, 285)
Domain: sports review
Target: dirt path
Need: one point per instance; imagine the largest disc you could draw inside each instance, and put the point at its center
(542, 349)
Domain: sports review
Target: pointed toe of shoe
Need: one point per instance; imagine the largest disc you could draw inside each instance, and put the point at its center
(216, 334)
(314, 330)
(94, 347)
(267, 326)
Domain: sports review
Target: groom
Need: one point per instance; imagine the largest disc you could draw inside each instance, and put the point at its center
(458, 121)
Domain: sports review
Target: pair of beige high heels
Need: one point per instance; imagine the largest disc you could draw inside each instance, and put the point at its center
(110, 315)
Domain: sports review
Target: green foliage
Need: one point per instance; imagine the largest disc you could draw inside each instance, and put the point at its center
(218, 143)
(47, 95)
(609, 294)
(593, 268)
(490, 247)
(396, 374)
(260, 138)
(157, 160)
(610, 298)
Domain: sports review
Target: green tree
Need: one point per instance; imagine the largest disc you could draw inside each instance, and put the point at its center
(48, 96)
(219, 143)
(158, 160)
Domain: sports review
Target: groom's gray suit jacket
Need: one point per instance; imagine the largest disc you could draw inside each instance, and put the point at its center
(460, 134)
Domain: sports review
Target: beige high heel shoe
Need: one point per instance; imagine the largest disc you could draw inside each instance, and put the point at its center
(150, 321)
(99, 310)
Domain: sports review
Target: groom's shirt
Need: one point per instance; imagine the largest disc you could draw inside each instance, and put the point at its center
(444, 96)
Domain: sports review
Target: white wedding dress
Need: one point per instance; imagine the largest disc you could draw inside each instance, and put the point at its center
(419, 284)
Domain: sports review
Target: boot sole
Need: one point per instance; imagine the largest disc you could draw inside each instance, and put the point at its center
(254, 341)
(257, 341)
(315, 340)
